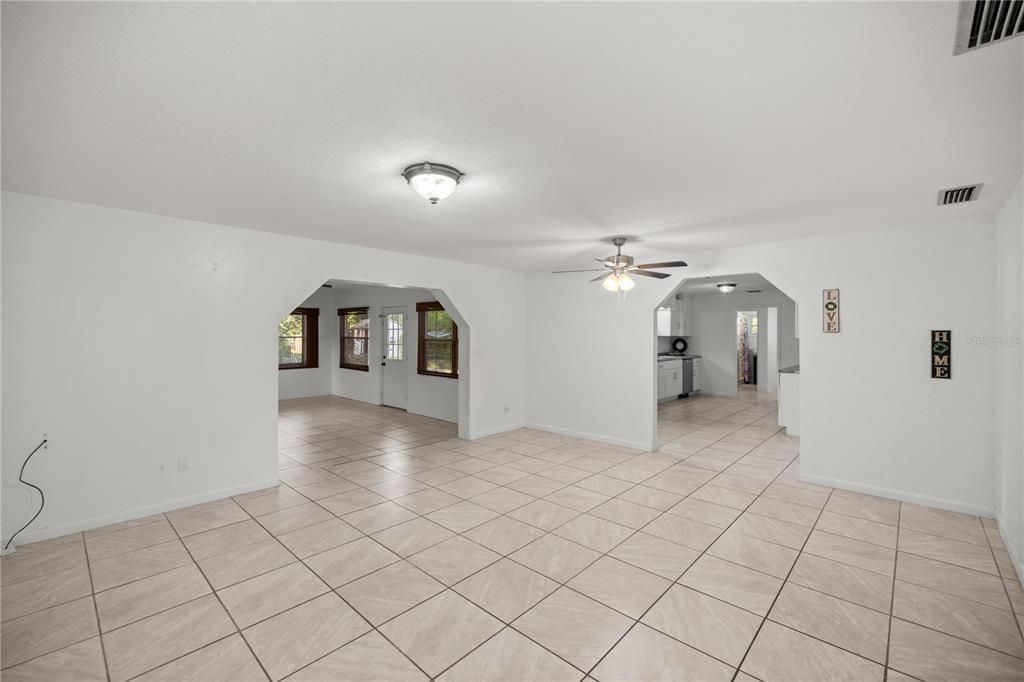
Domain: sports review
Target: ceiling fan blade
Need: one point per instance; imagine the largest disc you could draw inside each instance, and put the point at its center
(558, 272)
(599, 277)
(645, 273)
(666, 264)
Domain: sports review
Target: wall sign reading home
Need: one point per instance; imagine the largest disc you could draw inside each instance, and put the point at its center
(830, 311)
(942, 354)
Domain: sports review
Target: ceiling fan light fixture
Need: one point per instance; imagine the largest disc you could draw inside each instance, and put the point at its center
(626, 282)
(726, 287)
(433, 181)
(611, 283)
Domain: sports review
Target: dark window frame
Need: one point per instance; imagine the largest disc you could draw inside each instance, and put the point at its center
(342, 312)
(421, 355)
(310, 340)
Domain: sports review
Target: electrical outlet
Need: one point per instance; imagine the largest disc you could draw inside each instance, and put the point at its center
(183, 464)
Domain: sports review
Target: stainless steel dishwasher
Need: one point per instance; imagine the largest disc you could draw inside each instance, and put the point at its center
(687, 373)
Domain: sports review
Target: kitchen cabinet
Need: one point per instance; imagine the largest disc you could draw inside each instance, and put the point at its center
(670, 379)
(676, 318)
(665, 320)
(682, 317)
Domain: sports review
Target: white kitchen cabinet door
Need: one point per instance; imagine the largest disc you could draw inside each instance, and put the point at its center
(685, 317)
(669, 381)
(665, 319)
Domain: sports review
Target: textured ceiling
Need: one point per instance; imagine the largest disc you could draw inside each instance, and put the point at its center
(688, 125)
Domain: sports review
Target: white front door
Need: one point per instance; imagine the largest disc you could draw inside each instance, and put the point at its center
(394, 375)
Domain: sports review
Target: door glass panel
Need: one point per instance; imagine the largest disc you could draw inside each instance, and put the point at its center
(394, 346)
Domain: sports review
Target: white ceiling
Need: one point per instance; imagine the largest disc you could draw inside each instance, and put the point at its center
(690, 125)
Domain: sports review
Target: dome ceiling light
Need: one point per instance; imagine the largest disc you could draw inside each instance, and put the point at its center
(726, 287)
(433, 181)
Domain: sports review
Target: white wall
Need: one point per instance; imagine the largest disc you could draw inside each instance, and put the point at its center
(872, 419)
(1007, 344)
(114, 371)
(714, 336)
(436, 397)
(306, 383)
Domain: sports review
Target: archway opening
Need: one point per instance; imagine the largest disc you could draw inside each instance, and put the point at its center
(367, 369)
(727, 364)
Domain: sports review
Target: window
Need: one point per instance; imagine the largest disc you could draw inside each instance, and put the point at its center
(355, 338)
(394, 343)
(438, 342)
(298, 340)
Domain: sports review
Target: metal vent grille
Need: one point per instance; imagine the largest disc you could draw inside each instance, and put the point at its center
(958, 195)
(983, 22)
(754, 291)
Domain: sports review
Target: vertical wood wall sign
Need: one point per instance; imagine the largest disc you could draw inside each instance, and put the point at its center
(942, 354)
(830, 311)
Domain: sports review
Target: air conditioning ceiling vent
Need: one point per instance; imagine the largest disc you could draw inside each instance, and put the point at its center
(959, 195)
(984, 22)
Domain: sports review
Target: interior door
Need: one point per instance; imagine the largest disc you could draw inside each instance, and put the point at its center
(394, 375)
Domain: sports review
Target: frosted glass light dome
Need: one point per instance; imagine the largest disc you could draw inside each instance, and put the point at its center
(433, 181)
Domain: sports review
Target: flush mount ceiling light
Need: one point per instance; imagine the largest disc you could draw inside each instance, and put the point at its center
(726, 287)
(433, 181)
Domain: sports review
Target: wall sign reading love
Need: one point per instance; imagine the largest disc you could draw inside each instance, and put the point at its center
(942, 354)
(830, 311)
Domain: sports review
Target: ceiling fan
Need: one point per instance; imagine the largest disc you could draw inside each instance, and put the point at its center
(622, 267)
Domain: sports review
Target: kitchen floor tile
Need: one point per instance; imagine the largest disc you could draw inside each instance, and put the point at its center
(440, 631)
(226, 660)
(299, 636)
(504, 535)
(733, 583)
(454, 559)
(705, 623)
(934, 656)
(413, 536)
(510, 656)
(654, 554)
(137, 600)
(506, 589)
(146, 644)
(762, 556)
(577, 628)
(804, 658)
(269, 594)
(389, 591)
(625, 588)
(350, 561)
(82, 662)
(978, 623)
(47, 631)
(244, 563)
(371, 658)
(646, 654)
(854, 628)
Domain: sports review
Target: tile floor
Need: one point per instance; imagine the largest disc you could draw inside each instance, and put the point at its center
(394, 551)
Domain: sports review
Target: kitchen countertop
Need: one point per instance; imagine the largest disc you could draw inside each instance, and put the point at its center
(673, 356)
(794, 369)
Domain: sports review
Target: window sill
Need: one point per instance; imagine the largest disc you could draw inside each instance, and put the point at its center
(356, 368)
(442, 375)
(297, 367)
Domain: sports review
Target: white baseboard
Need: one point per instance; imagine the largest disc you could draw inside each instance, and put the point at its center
(1015, 557)
(170, 505)
(591, 436)
(494, 432)
(901, 495)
